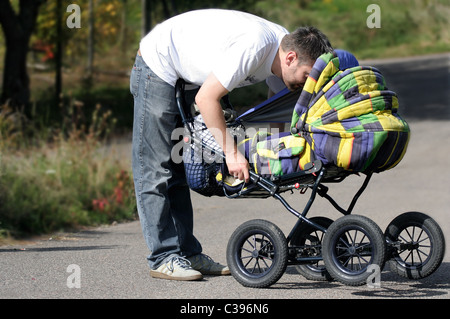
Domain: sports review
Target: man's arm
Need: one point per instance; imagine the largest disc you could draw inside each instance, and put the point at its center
(208, 101)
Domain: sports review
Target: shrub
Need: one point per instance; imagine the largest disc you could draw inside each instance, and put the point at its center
(62, 178)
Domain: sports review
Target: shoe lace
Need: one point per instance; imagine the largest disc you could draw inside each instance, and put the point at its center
(180, 262)
(205, 261)
(208, 259)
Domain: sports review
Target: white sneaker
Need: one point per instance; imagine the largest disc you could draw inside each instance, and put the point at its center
(176, 268)
(207, 266)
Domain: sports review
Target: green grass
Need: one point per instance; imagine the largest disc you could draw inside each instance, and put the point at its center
(62, 180)
(408, 28)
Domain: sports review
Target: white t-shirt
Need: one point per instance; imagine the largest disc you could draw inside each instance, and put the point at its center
(239, 48)
(275, 84)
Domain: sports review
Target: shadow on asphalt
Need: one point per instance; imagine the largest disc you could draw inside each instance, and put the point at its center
(394, 286)
(64, 248)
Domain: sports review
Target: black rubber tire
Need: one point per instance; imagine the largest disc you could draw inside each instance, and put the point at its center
(422, 252)
(306, 235)
(351, 244)
(257, 254)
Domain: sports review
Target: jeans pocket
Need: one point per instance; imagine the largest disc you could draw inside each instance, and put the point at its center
(134, 80)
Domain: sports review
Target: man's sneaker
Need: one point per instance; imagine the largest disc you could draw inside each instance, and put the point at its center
(207, 266)
(176, 268)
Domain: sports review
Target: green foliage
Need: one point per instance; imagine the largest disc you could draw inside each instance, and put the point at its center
(63, 179)
(407, 27)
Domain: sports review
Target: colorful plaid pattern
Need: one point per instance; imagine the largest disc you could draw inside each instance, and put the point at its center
(276, 154)
(351, 118)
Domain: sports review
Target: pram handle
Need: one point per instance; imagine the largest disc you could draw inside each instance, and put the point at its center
(181, 103)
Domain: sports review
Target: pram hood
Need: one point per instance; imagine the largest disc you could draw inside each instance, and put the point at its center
(349, 117)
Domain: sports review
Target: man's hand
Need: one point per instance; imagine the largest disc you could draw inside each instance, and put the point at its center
(208, 102)
(238, 166)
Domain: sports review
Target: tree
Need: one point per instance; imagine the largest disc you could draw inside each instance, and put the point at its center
(17, 29)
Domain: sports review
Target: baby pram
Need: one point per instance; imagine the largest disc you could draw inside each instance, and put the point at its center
(344, 122)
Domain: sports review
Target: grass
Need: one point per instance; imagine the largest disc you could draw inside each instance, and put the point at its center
(407, 28)
(61, 179)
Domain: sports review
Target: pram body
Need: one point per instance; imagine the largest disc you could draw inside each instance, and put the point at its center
(338, 128)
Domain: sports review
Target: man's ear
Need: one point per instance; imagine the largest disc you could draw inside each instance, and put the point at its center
(290, 58)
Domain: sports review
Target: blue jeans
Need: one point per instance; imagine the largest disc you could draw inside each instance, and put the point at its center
(163, 197)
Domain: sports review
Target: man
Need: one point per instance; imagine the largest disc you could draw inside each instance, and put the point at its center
(216, 50)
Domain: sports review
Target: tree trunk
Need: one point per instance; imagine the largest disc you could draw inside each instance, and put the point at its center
(58, 52)
(90, 47)
(16, 91)
(146, 23)
(17, 29)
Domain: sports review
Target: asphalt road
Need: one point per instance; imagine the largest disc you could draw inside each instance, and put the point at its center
(111, 259)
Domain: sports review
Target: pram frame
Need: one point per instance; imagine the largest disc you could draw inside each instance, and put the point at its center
(386, 247)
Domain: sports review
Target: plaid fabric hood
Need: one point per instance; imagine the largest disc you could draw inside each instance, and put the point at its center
(349, 118)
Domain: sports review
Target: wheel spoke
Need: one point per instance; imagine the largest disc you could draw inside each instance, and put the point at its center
(361, 241)
(259, 267)
(346, 244)
(267, 266)
(362, 257)
(351, 250)
(418, 255)
(250, 243)
(251, 258)
(407, 257)
(420, 235)
(354, 237)
(420, 241)
(267, 243)
(416, 246)
(347, 261)
(254, 241)
(254, 267)
(409, 234)
(362, 246)
(259, 244)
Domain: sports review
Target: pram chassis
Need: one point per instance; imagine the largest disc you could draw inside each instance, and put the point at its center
(352, 237)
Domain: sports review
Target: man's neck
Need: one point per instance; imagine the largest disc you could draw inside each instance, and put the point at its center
(276, 64)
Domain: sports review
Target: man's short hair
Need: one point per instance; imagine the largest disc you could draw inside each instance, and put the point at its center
(308, 43)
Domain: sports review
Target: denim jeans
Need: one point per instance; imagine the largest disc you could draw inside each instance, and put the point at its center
(163, 197)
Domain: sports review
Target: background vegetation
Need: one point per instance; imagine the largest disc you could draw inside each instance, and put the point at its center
(60, 167)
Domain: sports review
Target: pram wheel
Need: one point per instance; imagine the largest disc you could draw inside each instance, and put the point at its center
(351, 244)
(257, 253)
(417, 245)
(310, 239)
